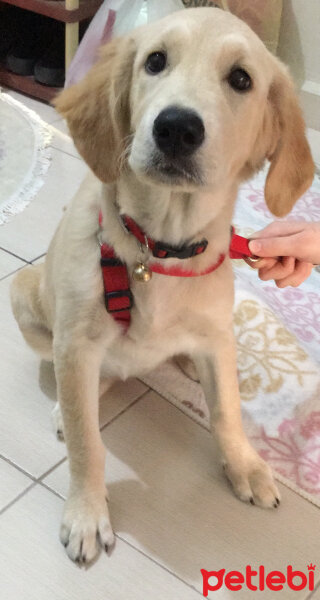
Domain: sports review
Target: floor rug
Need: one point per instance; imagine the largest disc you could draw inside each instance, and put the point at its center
(24, 155)
(278, 340)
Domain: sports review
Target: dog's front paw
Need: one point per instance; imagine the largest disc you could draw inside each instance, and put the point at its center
(86, 527)
(252, 479)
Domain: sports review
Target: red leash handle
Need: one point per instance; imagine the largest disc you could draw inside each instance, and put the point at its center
(239, 246)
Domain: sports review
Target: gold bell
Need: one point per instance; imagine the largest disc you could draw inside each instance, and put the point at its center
(141, 272)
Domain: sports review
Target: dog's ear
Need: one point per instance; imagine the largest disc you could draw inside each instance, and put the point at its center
(292, 169)
(97, 109)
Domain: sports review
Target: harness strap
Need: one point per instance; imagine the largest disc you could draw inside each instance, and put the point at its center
(117, 294)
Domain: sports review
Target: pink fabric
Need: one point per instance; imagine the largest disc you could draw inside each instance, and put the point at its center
(263, 16)
(88, 50)
(295, 452)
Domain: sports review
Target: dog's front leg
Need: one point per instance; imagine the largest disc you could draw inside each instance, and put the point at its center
(85, 522)
(250, 475)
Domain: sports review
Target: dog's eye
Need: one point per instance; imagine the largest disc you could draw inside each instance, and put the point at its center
(239, 80)
(155, 63)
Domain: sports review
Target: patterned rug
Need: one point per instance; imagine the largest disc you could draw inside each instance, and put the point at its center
(278, 339)
(24, 156)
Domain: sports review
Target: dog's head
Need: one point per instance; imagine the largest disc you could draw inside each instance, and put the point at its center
(190, 101)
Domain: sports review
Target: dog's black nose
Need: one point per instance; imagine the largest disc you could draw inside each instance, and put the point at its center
(178, 131)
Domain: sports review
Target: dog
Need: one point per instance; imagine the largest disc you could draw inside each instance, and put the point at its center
(170, 120)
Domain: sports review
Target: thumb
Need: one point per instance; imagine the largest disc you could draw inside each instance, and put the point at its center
(272, 247)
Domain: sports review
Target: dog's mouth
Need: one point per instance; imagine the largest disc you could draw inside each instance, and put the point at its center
(173, 172)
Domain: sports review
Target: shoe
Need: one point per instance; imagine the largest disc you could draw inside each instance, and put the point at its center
(32, 41)
(50, 68)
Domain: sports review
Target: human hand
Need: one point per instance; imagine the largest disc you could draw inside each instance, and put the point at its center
(288, 250)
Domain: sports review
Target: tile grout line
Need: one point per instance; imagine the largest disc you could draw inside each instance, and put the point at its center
(49, 489)
(59, 118)
(65, 152)
(13, 272)
(39, 480)
(55, 466)
(177, 407)
(53, 491)
(25, 262)
(46, 473)
(312, 594)
(15, 255)
(158, 564)
(132, 546)
(13, 464)
(64, 459)
(125, 409)
(15, 500)
(37, 257)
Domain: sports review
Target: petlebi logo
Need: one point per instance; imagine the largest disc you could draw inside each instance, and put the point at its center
(258, 579)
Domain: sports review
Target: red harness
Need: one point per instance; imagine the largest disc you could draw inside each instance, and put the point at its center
(118, 296)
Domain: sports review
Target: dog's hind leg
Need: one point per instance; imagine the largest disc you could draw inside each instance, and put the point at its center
(28, 311)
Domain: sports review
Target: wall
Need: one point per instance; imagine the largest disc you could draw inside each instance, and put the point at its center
(299, 47)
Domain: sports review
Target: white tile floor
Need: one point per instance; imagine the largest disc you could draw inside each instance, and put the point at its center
(172, 509)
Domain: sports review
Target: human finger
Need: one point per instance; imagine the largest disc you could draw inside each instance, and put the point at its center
(279, 229)
(277, 246)
(301, 272)
(282, 269)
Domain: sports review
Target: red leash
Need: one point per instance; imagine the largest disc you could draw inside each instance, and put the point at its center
(239, 246)
(118, 296)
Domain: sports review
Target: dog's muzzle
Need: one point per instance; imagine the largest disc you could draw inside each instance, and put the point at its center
(178, 132)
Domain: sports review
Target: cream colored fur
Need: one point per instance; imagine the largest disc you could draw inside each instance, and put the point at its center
(59, 305)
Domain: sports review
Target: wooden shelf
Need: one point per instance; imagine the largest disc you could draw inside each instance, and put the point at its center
(27, 85)
(56, 9)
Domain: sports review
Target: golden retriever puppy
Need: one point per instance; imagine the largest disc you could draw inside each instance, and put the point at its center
(170, 120)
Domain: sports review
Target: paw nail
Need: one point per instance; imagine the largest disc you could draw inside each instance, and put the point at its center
(106, 547)
(277, 501)
(251, 501)
(275, 505)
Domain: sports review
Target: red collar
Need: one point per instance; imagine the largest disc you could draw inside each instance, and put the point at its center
(118, 296)
(161, 250)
